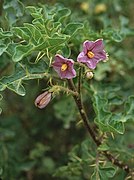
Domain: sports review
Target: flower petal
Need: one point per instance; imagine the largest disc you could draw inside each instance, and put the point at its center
(91, 64)
(82, 57)
(87, 45)
(100, 56)
(98, 46)
(69, 72)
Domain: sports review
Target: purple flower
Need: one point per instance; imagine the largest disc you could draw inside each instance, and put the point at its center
(93, 52)
(64, 67)
(43, 99)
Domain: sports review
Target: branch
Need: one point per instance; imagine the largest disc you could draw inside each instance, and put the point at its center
(97, 141)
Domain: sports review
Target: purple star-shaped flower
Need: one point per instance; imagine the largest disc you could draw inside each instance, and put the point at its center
(93, 52)
(64, 67)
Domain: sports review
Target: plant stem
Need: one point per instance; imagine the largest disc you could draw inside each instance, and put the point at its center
(83, 113)
(97, 141)
(79, 81)
(61, 88)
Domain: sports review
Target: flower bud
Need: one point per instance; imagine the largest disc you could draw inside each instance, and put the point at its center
(89, 75)
(43, 99)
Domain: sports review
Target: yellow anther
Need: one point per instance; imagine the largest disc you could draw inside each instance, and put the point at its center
(90, 54)
(63, 67)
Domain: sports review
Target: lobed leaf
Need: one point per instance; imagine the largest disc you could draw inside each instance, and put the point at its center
(61, 14)
(3, 48)
(22, 51)
(72, 28)
(23, 71)
(105, 119)
(35, 12)
(101, 173)
(5, 34)
(34, 32)
(21, 32)
(129, 108)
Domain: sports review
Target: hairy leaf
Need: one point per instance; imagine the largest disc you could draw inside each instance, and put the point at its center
(23, 71)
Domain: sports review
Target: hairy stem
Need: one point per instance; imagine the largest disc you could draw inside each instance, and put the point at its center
(61, 88)
(97, 141)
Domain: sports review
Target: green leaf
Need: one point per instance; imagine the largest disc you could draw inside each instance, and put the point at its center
(105, 119)
(66, 51)
(116, 123)
(103, 147)
(101, 173)
(129, 108)
(72, 28)
(15, 86)
(117, 37)
(56, 43)
(86, 154)
(60, 112)
(39, 151)
(124, 21)
(114, 35)
(22, 51)
(6, 135)
(5, 34)
(40, 24)
(21, 32)
(14, 9)
(62, 14)
(102, 114)
(107, 172)
(35, 12)
(23, 71)
(34, 32)
(3, 48)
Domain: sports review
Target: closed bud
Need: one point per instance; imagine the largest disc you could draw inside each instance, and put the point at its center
(43, 99)
(89, 75)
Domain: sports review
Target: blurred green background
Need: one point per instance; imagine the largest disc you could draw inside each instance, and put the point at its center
(34, 143)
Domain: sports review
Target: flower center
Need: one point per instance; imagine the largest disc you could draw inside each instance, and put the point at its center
(90, 54)
(64, 67)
